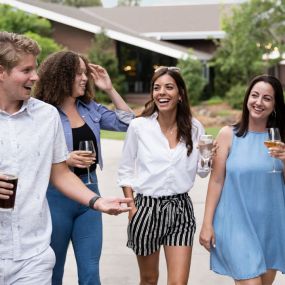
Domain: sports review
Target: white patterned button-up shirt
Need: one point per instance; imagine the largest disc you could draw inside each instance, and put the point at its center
(31, 140)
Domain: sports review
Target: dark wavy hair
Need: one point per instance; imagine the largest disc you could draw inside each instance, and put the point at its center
(56, 77)
(183, 115)
(276, 118)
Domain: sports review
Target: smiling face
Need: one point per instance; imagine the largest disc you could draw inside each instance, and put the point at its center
(79, 84)
(165, 93)
(261, 101)
(16, 84)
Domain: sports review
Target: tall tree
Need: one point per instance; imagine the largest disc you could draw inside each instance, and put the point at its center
(102, 53)
(192, 72)
(76, 3)
(47, 45)
(13, 20)
(253, 31)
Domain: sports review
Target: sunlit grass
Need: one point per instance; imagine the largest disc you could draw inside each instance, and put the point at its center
(113, 135)
(224, 113)
(212, 131)
(214, 100)
(121, 135)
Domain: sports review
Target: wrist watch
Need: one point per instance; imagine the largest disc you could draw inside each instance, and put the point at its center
(93, 201)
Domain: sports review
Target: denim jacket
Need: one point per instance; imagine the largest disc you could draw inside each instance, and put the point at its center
(97, 117)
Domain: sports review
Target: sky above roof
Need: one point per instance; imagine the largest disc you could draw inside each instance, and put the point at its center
(112, 3)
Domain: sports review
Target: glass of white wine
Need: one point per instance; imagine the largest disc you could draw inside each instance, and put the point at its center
(274, 139)
(87, 146)
(205, 147)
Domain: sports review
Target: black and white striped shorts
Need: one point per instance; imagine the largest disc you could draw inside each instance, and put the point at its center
(166, 220)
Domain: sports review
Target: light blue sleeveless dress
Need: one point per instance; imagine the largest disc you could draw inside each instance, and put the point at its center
(249, 221)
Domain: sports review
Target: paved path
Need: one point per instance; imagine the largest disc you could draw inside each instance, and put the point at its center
(118, 263)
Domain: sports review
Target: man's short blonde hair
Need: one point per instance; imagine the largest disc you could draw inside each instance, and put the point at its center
(13, 47)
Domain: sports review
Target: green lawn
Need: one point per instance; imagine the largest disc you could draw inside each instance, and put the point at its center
(121, 135)
(212, 131)
(112, 135)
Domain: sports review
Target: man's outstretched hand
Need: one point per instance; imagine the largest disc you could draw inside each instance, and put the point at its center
(113, 205)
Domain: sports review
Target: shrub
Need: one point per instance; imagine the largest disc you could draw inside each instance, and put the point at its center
(192, 72)
(47, 45)
(235, 95)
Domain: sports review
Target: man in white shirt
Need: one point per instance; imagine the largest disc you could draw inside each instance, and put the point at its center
(32, 145)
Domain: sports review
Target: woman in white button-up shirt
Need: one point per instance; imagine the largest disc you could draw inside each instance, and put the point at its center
(159, 163)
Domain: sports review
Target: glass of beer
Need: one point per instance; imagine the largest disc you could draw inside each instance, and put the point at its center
(205, 147)
(13, 179)
(274, 140)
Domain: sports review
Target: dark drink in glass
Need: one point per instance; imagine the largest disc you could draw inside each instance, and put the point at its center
(9, 203)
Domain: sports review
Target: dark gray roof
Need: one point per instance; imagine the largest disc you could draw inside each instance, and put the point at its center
(164, 18)
(138, 26)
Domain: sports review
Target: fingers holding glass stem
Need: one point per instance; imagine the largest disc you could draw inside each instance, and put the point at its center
(88, 155)
(275, 147)
(207, 148)
(277, 152)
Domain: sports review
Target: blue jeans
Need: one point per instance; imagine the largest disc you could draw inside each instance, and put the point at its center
(83, 226)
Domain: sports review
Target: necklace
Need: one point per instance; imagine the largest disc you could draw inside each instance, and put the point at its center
(170, 130)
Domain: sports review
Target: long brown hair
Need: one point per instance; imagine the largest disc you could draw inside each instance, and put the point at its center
(56, 77)
(183, 115)
(276, 118)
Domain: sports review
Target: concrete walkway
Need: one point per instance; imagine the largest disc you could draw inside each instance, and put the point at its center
(118, 263)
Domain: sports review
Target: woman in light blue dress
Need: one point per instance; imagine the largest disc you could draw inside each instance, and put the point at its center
(244, 220)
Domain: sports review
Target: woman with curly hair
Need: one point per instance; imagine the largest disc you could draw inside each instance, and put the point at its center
(159, 164)
(66, 80)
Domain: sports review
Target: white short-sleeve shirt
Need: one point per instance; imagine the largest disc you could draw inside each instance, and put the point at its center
(31, 140)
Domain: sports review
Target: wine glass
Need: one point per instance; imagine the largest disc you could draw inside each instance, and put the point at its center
(87, 146)
(274, 139)
(205, 147)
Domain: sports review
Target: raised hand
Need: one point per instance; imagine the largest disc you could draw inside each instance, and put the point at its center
(101, 77)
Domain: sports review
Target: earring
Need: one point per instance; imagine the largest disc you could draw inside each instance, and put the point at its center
(274, 114)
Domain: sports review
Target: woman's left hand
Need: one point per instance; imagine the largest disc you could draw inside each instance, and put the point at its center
(101, 77)
(278, 151)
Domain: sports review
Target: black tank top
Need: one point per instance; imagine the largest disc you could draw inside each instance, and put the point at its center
(84, 133)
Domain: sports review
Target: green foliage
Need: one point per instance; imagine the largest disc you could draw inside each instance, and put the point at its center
(192, 73)
(214, 100)
(47, 45)
(102, 53)
(212, 131)
(255, 28)
(235, 95)
(76, 3)
(129, 2)
(12, 20)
